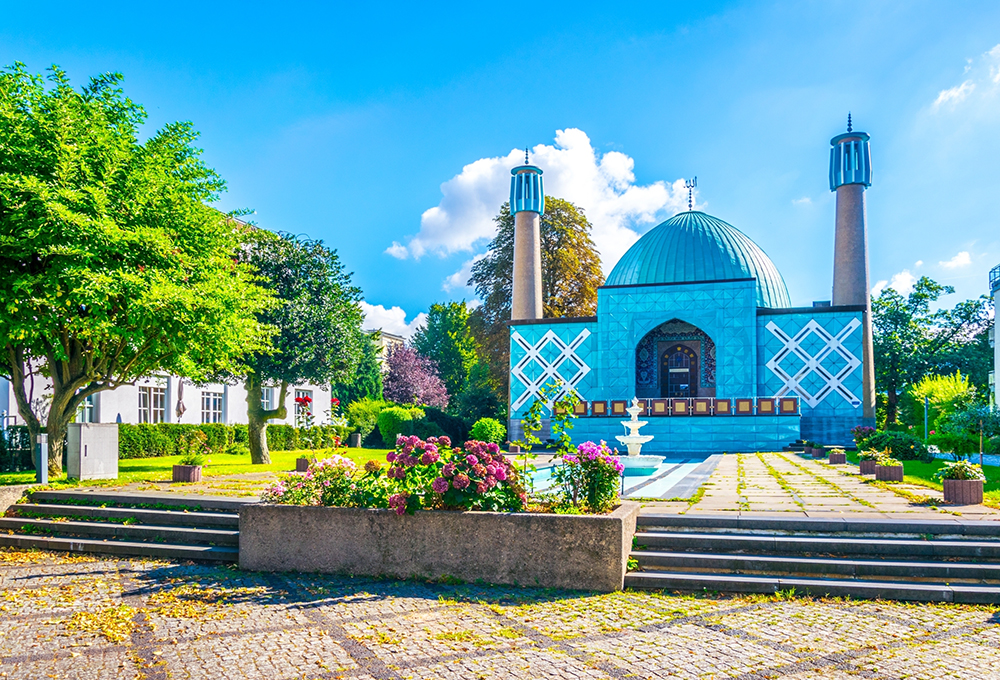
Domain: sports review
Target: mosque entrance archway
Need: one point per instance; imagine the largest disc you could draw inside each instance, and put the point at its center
(653, 362)
(679, 372)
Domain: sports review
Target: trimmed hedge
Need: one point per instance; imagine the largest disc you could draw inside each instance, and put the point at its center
(163, 439)
(394, 421)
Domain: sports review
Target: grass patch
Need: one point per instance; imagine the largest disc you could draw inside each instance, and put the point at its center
(785, 486)
(137, 470)
(919, 473)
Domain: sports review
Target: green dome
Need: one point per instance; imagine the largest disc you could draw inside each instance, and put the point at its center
(693, 246)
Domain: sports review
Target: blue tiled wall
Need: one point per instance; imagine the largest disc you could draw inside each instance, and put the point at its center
(550, 348)
(829, 411)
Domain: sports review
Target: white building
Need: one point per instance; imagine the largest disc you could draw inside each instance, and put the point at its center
(163, 399)
(995, 292)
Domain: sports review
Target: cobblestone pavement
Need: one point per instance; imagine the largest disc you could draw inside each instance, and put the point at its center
(78, 617)
(790, 483)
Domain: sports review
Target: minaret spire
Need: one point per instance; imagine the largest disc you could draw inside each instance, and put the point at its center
(849, 128)
(527, 203)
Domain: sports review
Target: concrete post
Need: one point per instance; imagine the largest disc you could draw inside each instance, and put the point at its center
(527, 279)
(42, 459)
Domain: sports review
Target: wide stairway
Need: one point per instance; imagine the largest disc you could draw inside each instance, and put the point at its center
(916, 560)
(127, 524)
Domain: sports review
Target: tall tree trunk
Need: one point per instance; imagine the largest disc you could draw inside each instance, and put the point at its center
(257, 418)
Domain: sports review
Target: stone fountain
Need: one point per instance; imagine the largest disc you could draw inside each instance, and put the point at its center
(635, 460)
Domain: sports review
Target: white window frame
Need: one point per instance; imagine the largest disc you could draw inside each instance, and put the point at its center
(267, 398)
(152, 404)
(87, 411)
(298, 407)
(213, 407)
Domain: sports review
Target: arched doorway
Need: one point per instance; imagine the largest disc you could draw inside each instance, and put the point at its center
(679, 372)
(652, 374)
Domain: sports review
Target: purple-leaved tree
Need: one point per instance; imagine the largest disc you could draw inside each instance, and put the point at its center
(413, 379)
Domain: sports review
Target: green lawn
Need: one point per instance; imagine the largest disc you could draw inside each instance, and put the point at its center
(916, 472)
(159, 469)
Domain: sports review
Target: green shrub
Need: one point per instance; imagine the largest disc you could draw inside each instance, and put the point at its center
(416, 412)
(489, 430)
(394, 421)
(456, 428)
(949, 442)
(900, 445)
(241, 434)
(426, 428)
(362, 415)
(238, 449)
(962, 469)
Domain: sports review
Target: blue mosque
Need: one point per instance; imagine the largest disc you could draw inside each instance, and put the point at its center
(696, 321)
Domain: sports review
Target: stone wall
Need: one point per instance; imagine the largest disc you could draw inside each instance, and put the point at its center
(585, 552)
(11, 494)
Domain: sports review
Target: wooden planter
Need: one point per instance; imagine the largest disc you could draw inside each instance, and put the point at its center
(838, 458)
(889, 473)
(818, 453)
(963, 491)
(868, 467)
(301, 464)
(187, 473)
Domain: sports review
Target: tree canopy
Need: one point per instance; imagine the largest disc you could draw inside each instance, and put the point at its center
(366, 382)
(412, 378)
(114, 266)
(571, 275)
(318, 335)
(911, 339)
(447, 339)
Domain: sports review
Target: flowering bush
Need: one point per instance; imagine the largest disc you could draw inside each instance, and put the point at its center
(327, 482)
(303, 411)
(885, 460)
(591, 476)
(862, 433)
(871, 454)
(961, 469)
(430, 474)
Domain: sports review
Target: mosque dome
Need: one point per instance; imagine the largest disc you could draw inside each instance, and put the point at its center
(692, 246)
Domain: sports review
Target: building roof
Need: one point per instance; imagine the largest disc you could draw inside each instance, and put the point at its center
(692, 246)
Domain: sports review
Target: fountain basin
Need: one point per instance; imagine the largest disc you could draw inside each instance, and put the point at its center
(640, 465)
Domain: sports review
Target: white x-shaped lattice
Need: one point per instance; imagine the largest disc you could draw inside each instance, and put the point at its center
(550, 370)
(833, 382)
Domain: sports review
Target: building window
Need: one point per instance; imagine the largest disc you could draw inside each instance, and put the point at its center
(86, 412)
(267, 398)
(211, 407)
(303, 408)
(152, 404)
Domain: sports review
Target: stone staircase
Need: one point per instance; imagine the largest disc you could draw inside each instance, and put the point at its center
(915, 560)
(126, 524)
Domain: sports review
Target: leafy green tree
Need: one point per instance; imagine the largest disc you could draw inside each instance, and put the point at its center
(571, 275)
(911, 339)
(447, 340)
(112, 265)
(319, 337)
(366, 382)
(944, 393)
(479, 398)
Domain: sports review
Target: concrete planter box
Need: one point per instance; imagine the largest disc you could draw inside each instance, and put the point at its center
(301, 464)
(817, 453)
(889, 473)
(838, 458)
(867, 467)
(963, 491)
(586, 552)
(187, 473)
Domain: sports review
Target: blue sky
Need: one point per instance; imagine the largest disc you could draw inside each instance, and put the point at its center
(349, 122)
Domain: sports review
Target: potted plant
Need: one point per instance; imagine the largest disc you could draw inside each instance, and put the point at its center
(963, 482)
(193, 447)
(838, 456)
(818, 450)
(867, 461)
(302, 464)
(888, 469)
(807, 447)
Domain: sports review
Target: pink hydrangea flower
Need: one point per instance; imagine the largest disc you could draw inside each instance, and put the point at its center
(480, 487)
(440, 485)
(471, 459)
(501, 474)
(461, 481)
(448, 470)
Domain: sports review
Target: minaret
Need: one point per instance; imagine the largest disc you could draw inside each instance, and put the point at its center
(850, 175)
(527, 203)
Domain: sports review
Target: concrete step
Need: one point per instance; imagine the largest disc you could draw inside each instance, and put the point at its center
(770, 544)
(221, 520)
(818, 587)
(155, 501)
(135, 532)
(826, 526)
(123, 548)
(816, 566)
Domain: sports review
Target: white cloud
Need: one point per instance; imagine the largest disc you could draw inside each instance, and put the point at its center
(392, 320)
(961, 260)
(902, 283)
(918, 263)
(397, 250)
(805, 200)
(955, 94)
(603, 185)
(460, 279)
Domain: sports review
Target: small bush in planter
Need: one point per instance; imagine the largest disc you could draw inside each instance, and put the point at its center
(817, 450)
(838, 456)
(868, 459)
(888, 469)
(962, 482)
